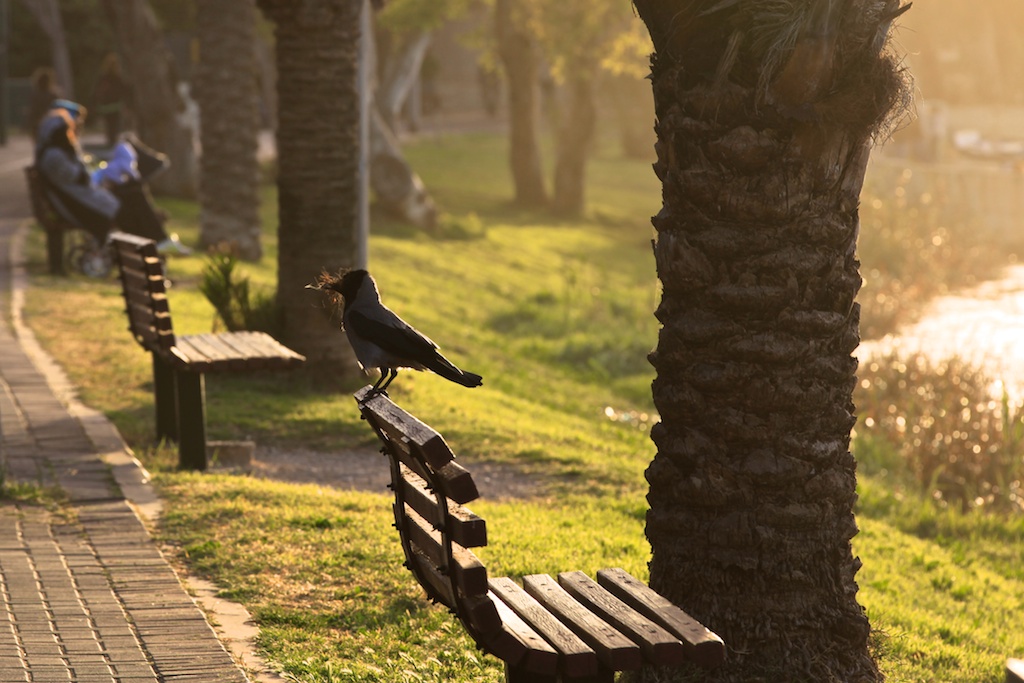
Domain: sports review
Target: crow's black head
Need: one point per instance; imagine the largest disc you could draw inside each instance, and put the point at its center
(349, 283)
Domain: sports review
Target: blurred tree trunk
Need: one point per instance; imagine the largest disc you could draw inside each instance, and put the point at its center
(575, 138)
(763, 141)
(401, 71)
(519, 56)
(150, 71)
(318, 165)
(47, 15)
(227, 91)
(633, 107)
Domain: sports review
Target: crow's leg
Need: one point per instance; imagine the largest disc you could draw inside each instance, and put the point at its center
(394, 374)
(376, 387)
(386, 375)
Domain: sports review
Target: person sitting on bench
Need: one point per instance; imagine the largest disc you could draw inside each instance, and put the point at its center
(71, 190)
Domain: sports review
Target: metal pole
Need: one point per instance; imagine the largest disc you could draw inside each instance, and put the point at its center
(4, 106)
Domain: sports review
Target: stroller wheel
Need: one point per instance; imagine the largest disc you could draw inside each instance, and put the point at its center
(91, 258)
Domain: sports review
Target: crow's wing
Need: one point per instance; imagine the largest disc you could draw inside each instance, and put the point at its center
(394, 336)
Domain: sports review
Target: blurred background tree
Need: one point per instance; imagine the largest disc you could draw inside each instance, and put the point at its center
(227, 91)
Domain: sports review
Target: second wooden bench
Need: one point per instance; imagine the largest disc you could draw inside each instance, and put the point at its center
(567, 629)
(181, 362)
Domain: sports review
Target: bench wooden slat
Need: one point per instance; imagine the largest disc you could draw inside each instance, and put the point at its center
(478, 612)
(538, 656)
(578, 658)
(261, 349)
(258, 345)
(140, 280)
(467, 572)
(703, 646)
(400, 424)
(614, 650)
(156, 301)
(134, 259)
(454, 481)
(152, 338)
(465, 528)
(438, 584)
(214, 351)
(658, 645)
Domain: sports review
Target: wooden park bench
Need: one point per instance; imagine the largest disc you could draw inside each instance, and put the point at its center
(51, 222)
(181, 362)
(567, 629)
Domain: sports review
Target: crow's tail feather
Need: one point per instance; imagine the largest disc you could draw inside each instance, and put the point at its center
(443, 367)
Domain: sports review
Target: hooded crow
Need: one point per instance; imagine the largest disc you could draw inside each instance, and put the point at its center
(382, 340)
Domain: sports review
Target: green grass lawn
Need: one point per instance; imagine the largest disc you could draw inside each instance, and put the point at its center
(557, 317)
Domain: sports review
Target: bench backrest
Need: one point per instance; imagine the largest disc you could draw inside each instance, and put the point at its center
(145, 291)
(436, 530)
(42, 209)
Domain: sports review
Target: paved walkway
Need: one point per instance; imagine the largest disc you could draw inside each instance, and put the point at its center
(85, 595)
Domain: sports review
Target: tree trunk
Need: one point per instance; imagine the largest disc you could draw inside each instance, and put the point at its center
(519, 56)
(226, 89)
(150, 70)
(318, 166)
(575, 137)
(399, 189)
(47, 15)
(753, 486)
(267, 83)
(634, 114)
(400, 75)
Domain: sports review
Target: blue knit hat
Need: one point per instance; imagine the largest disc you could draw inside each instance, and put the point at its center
(70, 107)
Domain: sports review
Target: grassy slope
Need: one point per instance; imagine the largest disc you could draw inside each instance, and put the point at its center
(557, 317)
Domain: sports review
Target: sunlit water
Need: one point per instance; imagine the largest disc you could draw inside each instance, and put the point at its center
(983, 326)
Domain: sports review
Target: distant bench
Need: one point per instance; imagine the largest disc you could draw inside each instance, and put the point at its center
(180, 362)
(52, 222)
(569, 629)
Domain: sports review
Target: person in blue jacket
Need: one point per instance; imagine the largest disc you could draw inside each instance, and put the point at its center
(97, 208)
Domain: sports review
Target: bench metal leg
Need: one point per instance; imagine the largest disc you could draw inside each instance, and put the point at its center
(166, 401)
(191, 420)
(55, 250)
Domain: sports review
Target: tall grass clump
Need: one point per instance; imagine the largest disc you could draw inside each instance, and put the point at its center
(938, 426)
(238, 306)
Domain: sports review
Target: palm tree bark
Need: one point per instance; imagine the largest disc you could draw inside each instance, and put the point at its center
(318, 145)
(762, 148)
(518, 53)
(227, 92)
(155, 99)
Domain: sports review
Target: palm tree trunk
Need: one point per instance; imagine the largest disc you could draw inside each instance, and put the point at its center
(318, 166)
(753, 485)
(226, 89)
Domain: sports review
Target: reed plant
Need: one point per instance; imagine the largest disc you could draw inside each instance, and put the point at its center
(945, 428)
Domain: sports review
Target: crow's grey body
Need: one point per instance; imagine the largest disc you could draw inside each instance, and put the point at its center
(382, 340)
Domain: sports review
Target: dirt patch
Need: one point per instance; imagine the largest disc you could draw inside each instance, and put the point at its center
(365, 469)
